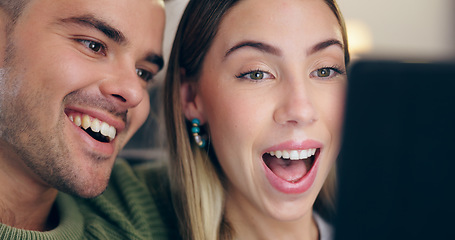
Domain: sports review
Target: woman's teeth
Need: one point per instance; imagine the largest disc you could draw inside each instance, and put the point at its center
(294, 154)
(94, 124)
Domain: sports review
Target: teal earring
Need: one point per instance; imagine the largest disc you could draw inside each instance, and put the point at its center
(195, 130)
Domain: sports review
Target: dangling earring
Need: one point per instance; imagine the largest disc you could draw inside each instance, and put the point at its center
(195, 130)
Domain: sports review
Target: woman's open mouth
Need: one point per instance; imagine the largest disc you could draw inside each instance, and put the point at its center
(291, 165)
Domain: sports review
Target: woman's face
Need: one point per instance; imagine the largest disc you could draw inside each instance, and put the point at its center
(272, 91)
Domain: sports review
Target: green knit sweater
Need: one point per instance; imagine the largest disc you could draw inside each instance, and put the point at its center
(128, 209)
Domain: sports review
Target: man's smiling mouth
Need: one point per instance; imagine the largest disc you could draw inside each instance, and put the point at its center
(100, 131)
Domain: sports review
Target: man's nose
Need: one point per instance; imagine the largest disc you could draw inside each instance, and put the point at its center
(124, 87)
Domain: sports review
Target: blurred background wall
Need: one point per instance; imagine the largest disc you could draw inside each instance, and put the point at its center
(419, 30)
(423, 29)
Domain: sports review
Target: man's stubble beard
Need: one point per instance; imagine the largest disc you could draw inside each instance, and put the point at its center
(43, 149)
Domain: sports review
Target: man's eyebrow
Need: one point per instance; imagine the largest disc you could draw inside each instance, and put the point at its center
(263, 47)
(112, 33)
(102, 26)
(155, 59)
(325, 44)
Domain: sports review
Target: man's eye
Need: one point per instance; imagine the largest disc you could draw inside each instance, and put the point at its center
(94, 46)
(145, 75)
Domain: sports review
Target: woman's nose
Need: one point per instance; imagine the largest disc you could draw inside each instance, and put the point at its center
(295, 105)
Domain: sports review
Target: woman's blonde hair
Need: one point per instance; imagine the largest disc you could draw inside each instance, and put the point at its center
(195, 176)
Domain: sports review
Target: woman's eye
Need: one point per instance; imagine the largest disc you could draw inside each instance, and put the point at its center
(324, 72)
(255, 75)
(145, 75)
(93, 46)
(328, 72)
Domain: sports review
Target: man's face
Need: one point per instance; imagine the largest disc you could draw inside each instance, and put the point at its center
(73, 87)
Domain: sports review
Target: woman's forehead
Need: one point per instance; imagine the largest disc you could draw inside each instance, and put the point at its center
(301, 22)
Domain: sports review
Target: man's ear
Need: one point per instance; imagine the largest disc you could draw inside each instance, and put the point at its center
(190, 100)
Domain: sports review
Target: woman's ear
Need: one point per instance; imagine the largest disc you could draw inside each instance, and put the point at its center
(189, 97)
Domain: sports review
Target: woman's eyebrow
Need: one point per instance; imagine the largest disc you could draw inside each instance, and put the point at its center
(263, 47)
(89, 20)
(323, 45)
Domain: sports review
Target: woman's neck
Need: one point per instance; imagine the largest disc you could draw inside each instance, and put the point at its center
(250, 223)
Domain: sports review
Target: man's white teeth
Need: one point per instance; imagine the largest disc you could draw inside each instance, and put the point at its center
(294, 154)
(95, 124)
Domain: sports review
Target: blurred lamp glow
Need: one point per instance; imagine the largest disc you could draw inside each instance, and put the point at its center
(360, 40)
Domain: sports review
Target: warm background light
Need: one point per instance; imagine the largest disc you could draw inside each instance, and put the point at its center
(359, 38)
(404, 29)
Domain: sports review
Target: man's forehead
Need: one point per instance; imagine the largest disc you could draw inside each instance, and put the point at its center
(117, 14)
(99, 7)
